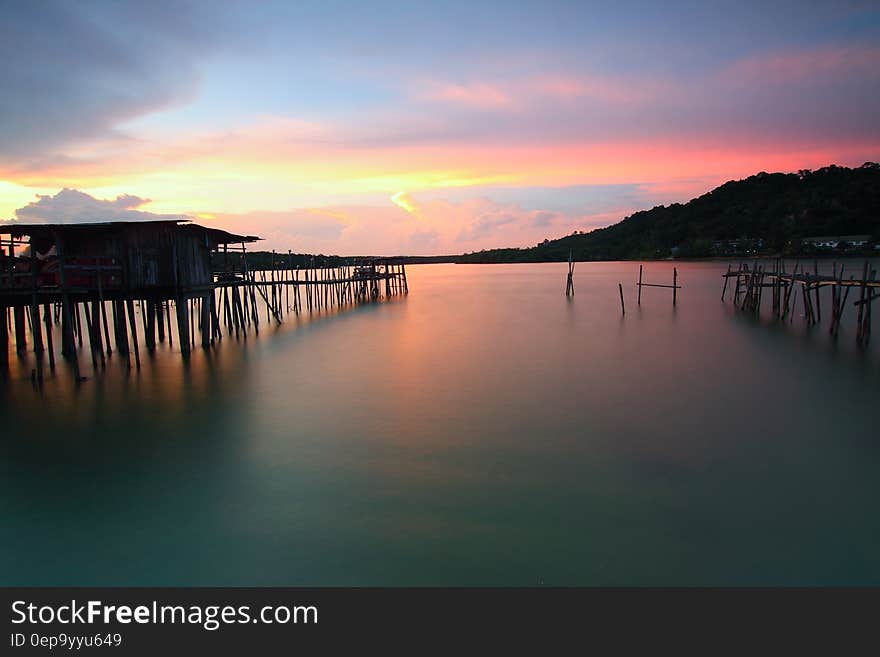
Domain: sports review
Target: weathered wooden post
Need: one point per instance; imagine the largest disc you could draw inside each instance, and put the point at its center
(36, 328)
(863, 290)
(569, 282)
(639, 299)
(67, 343)
(47, 320)
(132, 323)
(726, 278)
(4, 337)
(622, 307)
(20, 330)
(674, 284)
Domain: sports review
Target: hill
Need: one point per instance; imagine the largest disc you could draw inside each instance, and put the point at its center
(768, 213)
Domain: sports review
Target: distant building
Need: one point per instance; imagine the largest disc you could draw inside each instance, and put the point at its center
(743, 245)
(837, 241)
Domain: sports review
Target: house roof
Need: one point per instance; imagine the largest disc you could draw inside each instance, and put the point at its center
(215, 235)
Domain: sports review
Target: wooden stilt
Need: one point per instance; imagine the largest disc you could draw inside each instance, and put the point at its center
(90, 331)
(18, 321)
(47, 320)
(674, 284)
(96, 330)
(639, 298)
(4, 337)
(183, 326)
(149, 309)
(132, 324)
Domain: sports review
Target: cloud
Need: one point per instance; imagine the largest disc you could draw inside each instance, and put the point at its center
(407, 203)
(477, 95)
(73, 73)
(445, 227)
(806, 65)
(71, 206)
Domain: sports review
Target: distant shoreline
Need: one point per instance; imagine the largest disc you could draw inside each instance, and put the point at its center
(744, 258)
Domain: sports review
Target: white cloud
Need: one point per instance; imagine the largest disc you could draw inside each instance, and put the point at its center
(71, 206)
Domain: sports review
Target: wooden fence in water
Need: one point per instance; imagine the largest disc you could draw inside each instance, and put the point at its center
(786, 286)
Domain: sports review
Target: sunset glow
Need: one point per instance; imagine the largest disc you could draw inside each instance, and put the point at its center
(285, 125)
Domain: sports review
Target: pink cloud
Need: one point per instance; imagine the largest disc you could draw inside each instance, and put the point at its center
(518, 94)
(443, 227)
(605, 89)
(479, 95)
(805, 65)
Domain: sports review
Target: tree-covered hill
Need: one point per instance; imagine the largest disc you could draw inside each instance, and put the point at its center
(765, 213)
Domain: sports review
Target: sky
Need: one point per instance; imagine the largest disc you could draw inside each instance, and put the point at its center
(420, 127)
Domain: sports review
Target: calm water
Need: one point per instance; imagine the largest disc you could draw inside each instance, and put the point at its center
(484, 430)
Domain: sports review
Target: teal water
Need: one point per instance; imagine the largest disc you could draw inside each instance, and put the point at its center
(483, 430)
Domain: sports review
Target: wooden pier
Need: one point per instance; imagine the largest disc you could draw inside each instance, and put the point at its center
(88, 280)
(785, 287)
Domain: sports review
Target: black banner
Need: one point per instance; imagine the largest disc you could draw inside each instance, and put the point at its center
(117, 621)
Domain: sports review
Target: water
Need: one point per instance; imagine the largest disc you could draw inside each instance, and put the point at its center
(484, 430)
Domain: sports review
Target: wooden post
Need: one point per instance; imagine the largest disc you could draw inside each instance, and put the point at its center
(674, 284)
(569, 283)
(77, 322)
(622, 307)
(132, 323)
(866, 328)
(20, 329)
(36, 328)
(121, 330)
(183, 326)
(95, 333)
(67, 346)
(47, 320)
(160, 319)
(206, 320)
(90, 329)
(639, 299)
(726, 278)
(150, 327)
(863, 288)
(4, 337)
(738, 279)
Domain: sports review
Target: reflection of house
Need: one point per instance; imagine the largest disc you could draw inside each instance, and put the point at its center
(835, 241)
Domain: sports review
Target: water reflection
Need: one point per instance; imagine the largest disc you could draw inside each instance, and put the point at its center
(481, 431)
